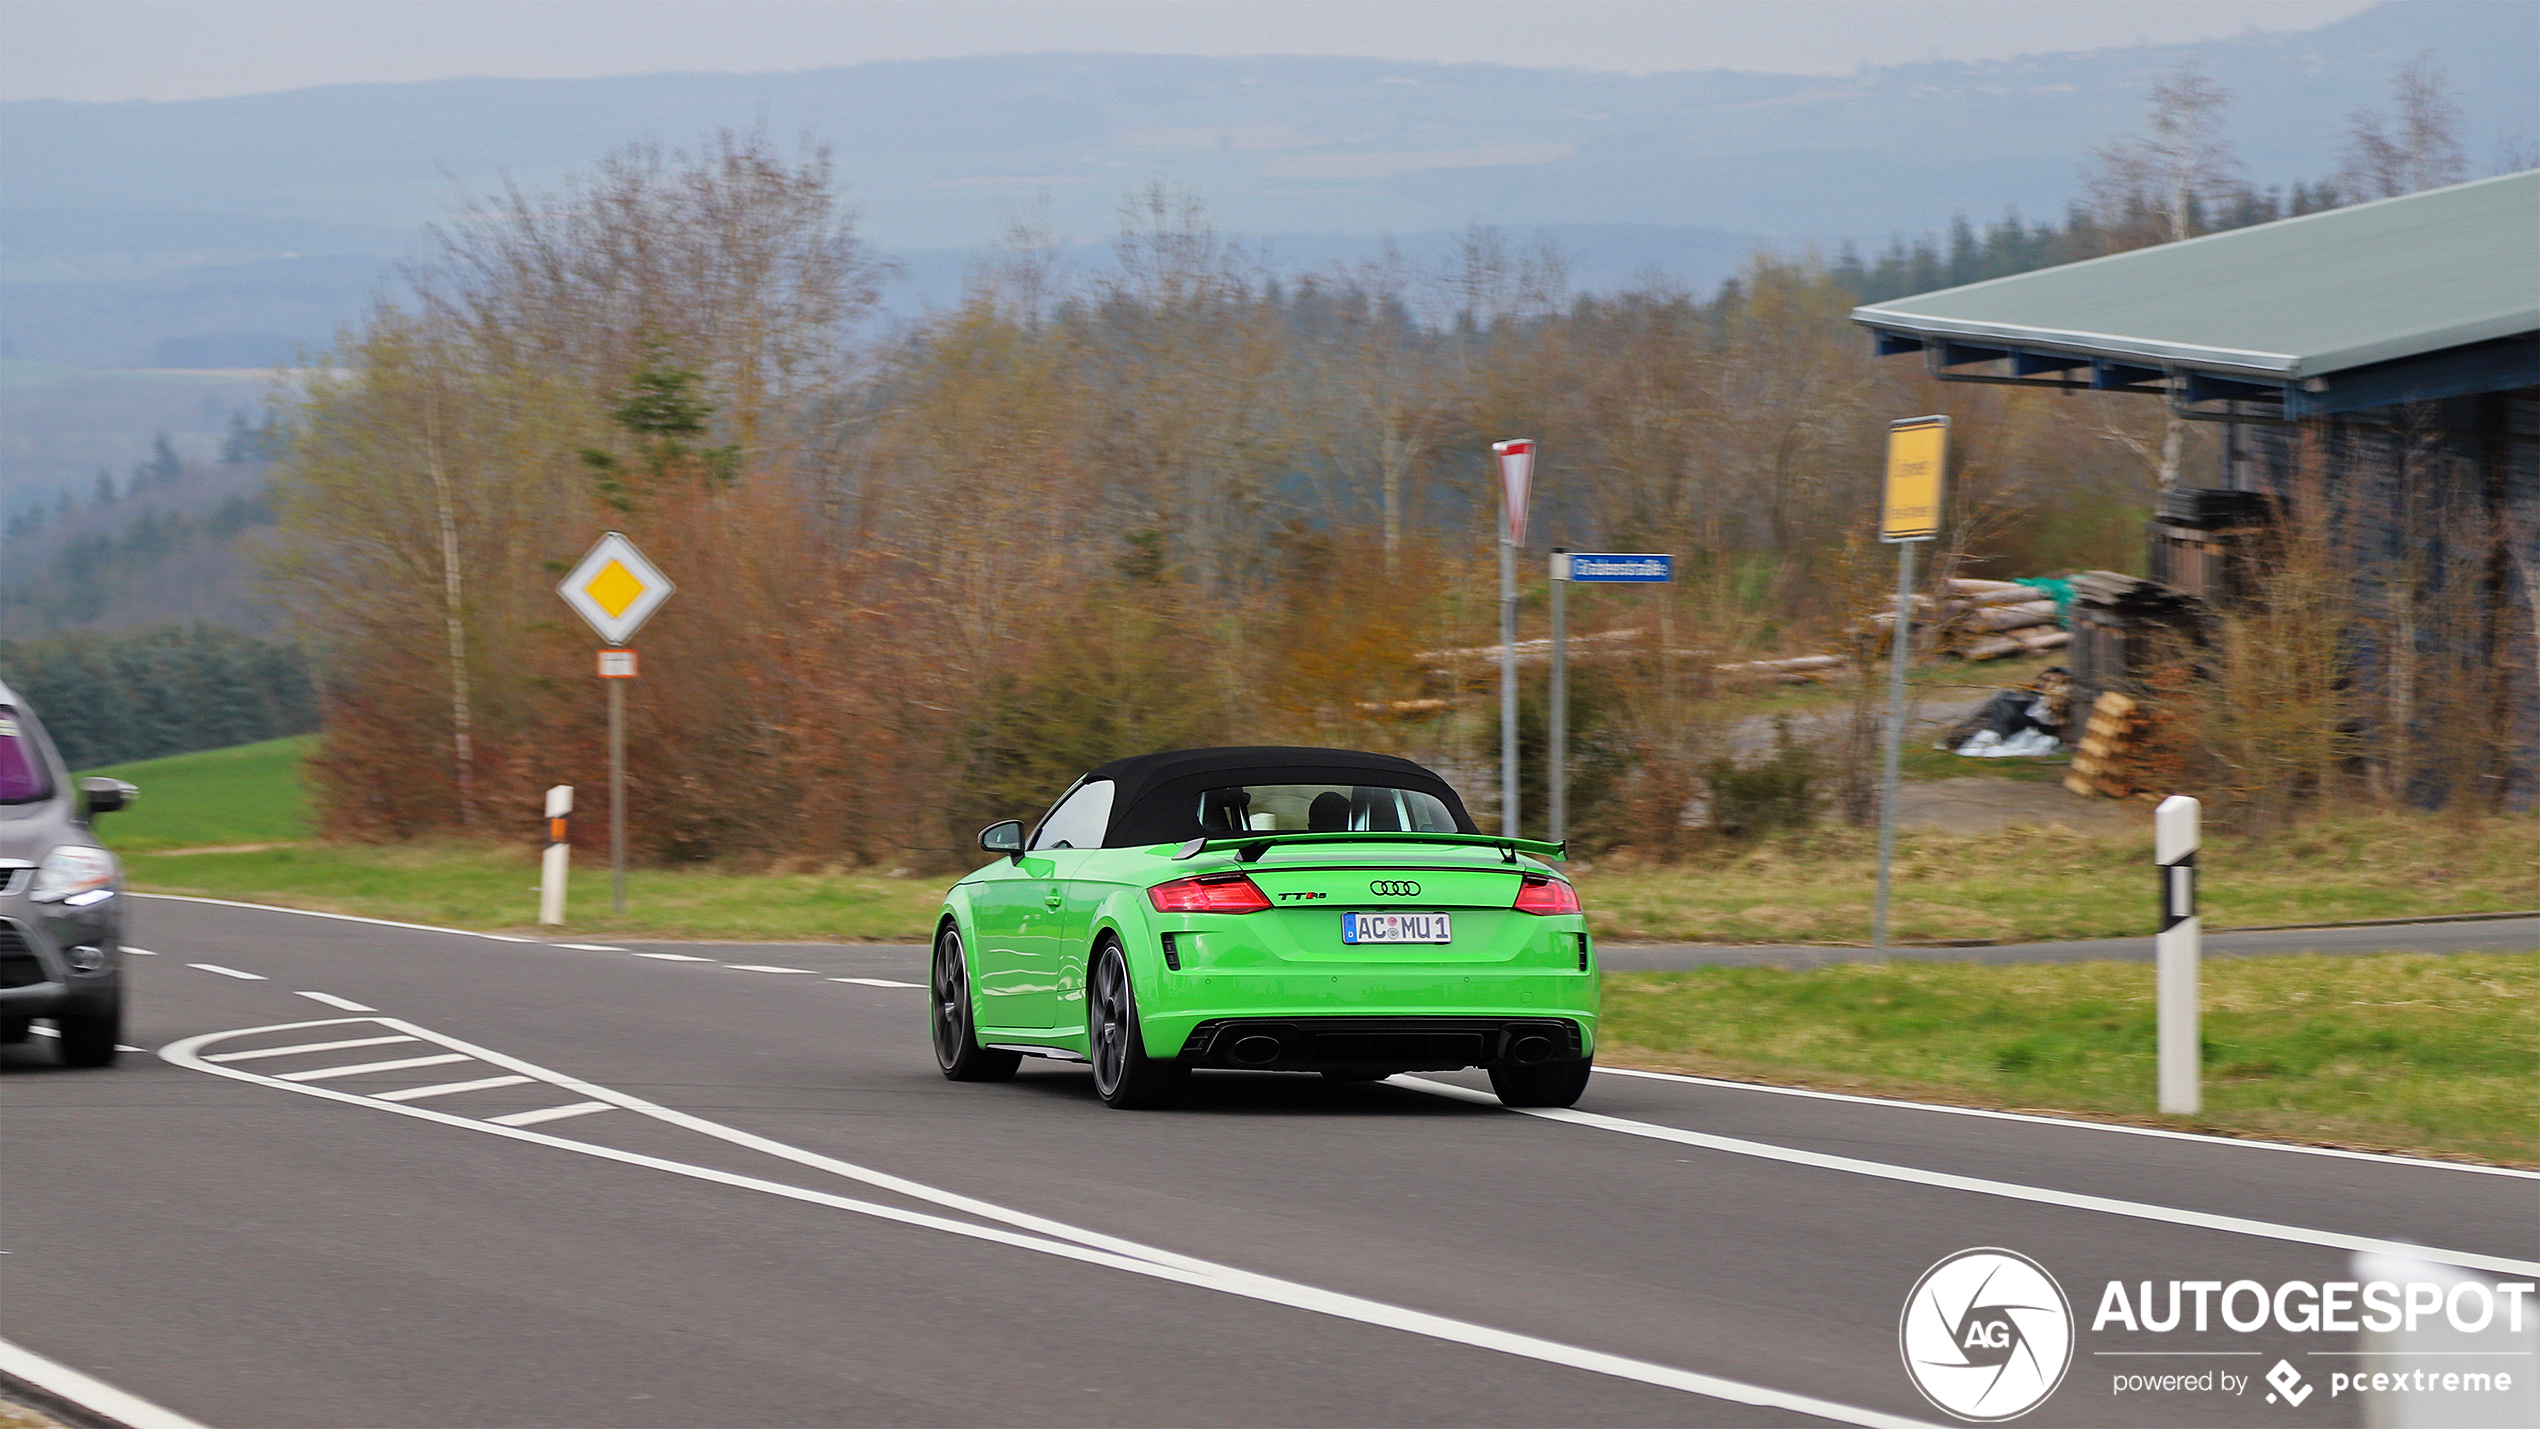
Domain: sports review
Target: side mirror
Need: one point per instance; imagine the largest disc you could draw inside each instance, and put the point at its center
(105, 796)
(1005, 838)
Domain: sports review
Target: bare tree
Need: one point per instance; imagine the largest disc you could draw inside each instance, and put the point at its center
(2418, 147)
(2152, 187)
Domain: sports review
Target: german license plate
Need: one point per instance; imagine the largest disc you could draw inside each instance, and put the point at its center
(1395, 928)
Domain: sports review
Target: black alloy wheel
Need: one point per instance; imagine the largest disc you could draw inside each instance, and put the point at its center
(1124, 1075)
(957, 1049)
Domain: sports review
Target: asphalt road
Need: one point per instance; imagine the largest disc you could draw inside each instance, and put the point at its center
(732, 1190)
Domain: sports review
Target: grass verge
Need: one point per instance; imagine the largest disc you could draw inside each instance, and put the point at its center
(462, 885)
(2391, 1051)
(247, 793)
(2027, 885)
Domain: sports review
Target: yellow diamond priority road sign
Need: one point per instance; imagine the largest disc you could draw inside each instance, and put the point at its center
(616, 589)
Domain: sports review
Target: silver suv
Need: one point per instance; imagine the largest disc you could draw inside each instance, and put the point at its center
(61, 904)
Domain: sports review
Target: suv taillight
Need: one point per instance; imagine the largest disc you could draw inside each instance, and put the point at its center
(1209, 893)
(1539, 894)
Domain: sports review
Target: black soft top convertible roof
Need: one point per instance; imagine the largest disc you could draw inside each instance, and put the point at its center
(1157, 799)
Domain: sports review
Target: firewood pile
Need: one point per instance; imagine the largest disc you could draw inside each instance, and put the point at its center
(1983, 620)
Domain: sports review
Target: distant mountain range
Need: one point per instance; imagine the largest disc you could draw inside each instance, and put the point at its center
(222, 233)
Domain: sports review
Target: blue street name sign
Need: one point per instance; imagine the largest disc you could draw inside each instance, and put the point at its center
(1618, 569)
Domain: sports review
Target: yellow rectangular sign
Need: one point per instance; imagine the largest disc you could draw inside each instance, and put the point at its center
(1917, 453)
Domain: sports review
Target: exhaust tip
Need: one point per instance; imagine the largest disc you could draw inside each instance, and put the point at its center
(1255, 1051)
(1530, 1049)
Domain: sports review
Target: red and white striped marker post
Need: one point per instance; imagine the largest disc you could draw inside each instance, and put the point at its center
(2176, 949)
(551, 870)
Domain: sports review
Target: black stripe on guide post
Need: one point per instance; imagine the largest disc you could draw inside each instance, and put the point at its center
(2178, 891)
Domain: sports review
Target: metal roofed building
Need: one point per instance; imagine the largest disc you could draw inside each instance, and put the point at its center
(2411, 299)
(2388, 354)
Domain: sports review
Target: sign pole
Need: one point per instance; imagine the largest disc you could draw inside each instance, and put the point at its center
(2175, 835)
(617, 797)
(1890, 775)
(1557, 776)
(615, 589)
(1917, 456)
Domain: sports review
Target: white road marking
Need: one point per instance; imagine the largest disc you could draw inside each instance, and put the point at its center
(1048, 1237)
(444, 1089)
(227, 972)
(588, 947)
(338, 917)
(2040, 1195)
(764, 968)
(675, 957)
(263, 1052)
(2069, 1123)
(551, 1113)
(331, 1000)
(145, 952)
(877, 982)
(319, 1074)
(94, 1395)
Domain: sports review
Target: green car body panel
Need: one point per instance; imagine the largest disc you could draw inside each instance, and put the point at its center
(1031, 925)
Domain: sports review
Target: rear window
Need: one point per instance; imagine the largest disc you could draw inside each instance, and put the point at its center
(1322, 809)
(24, 776)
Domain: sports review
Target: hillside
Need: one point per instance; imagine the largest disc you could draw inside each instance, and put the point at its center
(220, 233)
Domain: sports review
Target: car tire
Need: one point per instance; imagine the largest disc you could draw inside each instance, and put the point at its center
(1545, 1084)
(90, 1041)
(1125, 1077)
(949, 1021)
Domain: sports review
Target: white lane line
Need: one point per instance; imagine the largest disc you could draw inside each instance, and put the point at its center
(316, 1074)
(2071, 1200)
(108, 1403)
(675, 957)
(2069, 1123)
(588, 947)
(877, 982)
(1054, 1238)
(444, 1089)
(145, 952)
(338, 917)
(550, 1113)
(263, 1052)
(765, 968)
(227, 972)
(331, 1000)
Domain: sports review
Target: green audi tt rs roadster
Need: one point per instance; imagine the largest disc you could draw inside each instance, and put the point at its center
(1266, 909)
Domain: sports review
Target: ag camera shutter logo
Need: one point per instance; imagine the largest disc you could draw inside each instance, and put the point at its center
(1987, 1335)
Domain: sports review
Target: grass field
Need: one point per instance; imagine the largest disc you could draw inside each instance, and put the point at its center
(2394, 1051)
(248, 793)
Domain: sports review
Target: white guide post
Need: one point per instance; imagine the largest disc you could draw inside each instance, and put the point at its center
(551, 868)
(1516, 483)
(2175, 835)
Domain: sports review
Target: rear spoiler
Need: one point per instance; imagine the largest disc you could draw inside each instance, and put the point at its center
(1250, 847)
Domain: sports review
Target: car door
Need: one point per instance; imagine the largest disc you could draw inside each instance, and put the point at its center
(1021, 979)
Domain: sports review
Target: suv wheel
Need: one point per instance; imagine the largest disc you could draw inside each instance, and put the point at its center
(90, 1041)
(1545, 1084)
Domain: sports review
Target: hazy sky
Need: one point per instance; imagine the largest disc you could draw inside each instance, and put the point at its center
(186, 49)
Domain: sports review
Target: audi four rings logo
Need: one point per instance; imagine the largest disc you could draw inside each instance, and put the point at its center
(1394, 888)
(1987, 1334)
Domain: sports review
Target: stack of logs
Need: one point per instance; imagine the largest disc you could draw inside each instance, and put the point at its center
(1984, 620)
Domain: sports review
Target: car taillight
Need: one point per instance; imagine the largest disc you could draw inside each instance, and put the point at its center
(1209, 893)
(1539, 894)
